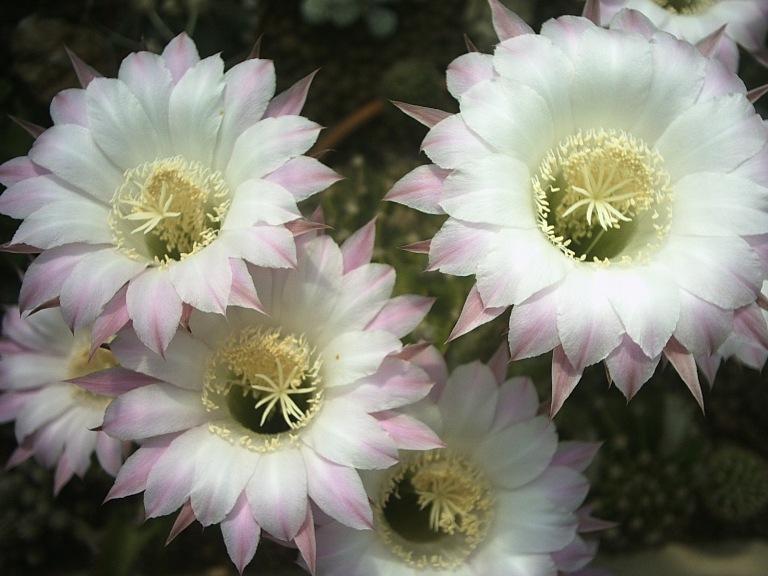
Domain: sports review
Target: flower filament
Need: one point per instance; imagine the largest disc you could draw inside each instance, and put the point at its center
(263, 387)
(434, 510)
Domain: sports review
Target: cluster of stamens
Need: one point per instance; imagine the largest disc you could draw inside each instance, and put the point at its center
(435, 508)
(167, 209)
(263, 384)
(82, 362)
(598, 191)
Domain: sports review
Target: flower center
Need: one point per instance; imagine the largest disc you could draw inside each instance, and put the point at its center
(80, 365)
(434, 509)
(263, 387)
(601, 195)
(685, 6)
(168, 209)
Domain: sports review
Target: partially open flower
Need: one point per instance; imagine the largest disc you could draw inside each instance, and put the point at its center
(500, 498)
(745, 23)
(257, 415)
(610, 186)
(152, 190)
(55, 420)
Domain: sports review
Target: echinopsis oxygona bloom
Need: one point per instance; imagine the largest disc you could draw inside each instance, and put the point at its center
(55, 420)
(255, 416)
(501, 497)
(745, 23)
(610, 186)
(151, 190)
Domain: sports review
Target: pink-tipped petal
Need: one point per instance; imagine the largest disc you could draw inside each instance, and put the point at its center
(185, 519)
(85, 74)
(575, 454)
(401, 314)
(506, 23)
(112, 319)
(113, 381)
(429, 117)
(420, 189)
(750, 322)
(592, 11)
(133, 475)
(155, 308)
(243, 292)
(306, 543)
(409, 433)
(629, 367)
(303, 176)
(338, 491)
(474, 314)
(685, 365)
(565, 376)
(241, 533)
(357, 250)
(180, 55)
(291, 101)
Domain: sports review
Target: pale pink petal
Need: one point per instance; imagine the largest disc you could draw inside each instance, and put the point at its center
(115, 117)
(180, 55)
(355, 354)
(269, 144)
(702, 327)
(518, 402)
(474, 314)
(260, 201)
(401, 314)
(303, 176)
(420, 189)
(19, 169)
(195, 111)
(185, 518)
(109, 453)
(113, 317)
(723, 271)
(248, 87)
(28, 370)
(587, 324)
(11, 403)
(357, 250)
(153, 410)
(306, 543)
(750, 323)
(85, 73)
(241, 534)
(409, 433)
(647, 302)
(243, 292)
(48, 405)
(92, 282)
(70, 152)
(629, 367)
(429, 117)
(151, 82)
(451, 143)
(467, 70)
(565, 376)
(170, 477)
(470, 419)
(262, 245)
(291, 101)
(575, 454)
(112, 381)
(347, 435)
(506, 23)
(518, 453)
(154, 307)
(63, 474)
(223, 469)
(68, 107)
(457, 248)
(518, 264)
(204, 279)
(395, 384)
(533, 325)
(338, 491)
(685, 365)
(277, 492)
(64, 222)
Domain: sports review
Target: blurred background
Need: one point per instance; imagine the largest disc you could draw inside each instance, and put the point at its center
(674, 480)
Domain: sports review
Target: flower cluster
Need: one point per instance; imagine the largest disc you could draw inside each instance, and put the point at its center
(230, 361)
